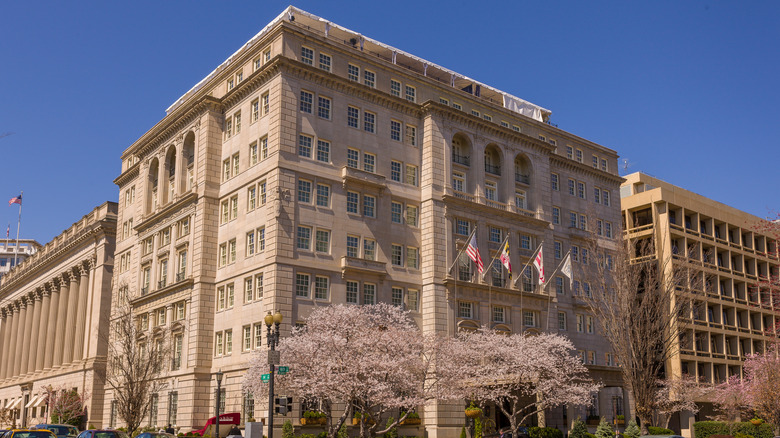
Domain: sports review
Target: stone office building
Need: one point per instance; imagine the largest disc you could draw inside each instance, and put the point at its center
(317, 166)
(54, 307)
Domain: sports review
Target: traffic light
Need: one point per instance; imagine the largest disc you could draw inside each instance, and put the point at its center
(283, 405)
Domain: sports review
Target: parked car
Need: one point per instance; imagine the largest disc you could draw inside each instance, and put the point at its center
(155, 435)
(103, 433)
(61, 430)
(29, 433)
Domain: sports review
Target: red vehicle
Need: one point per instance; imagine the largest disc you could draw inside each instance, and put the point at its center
(226, 421)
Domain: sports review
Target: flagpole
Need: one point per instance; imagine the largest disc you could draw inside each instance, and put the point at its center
(559, 267)
(18, 225)
(457, 258)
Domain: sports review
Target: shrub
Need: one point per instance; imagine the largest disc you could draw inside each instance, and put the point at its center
(590, 435)
(544, 432)
(653, 430)
(393, 432)
(313, 415)
(287, 429)
(707, 429)
(604, 430)
(742, 435)
(621, 417)
(579, 429)
(307, 435)
(462, 432)
(342, 433)
(322, 434)
(632, 430)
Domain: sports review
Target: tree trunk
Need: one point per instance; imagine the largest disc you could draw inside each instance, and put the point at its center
(541, 418)
(645, 420)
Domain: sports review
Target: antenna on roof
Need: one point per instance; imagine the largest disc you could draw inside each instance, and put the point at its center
(626, 165)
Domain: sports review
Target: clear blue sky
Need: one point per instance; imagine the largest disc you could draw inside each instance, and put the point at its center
(686, 91)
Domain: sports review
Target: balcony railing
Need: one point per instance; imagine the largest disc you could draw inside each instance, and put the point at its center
(495, 170)
(144, 290)
(524, 179)
(161, 284)
(181, 275)
(461, 159)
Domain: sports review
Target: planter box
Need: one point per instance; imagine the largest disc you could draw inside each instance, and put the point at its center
(356, 422)
(620, 422)
(411, 422)
(593, 422)
(314, 421)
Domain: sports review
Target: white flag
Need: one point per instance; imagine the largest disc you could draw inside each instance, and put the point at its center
(566, 268)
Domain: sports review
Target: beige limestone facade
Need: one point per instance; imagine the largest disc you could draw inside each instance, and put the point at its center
(734, 257)
(315, 167)
(54, 307)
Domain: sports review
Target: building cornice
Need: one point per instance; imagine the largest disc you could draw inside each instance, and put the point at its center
(168, 210)
(568, 164)
(128, 175)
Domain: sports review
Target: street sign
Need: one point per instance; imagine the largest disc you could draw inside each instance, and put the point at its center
(265, 377)
(273, 357)
(283, 370)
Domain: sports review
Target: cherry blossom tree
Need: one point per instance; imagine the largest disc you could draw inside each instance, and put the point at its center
(521, 374)
(368, 360)
(66, 406)
(677, 395)
(762, 385)
(730, 400)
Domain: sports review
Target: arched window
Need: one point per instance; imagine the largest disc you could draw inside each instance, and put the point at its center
(153, 180)
(187, 174)
(461, 150)
(170, 166)
(492, 160)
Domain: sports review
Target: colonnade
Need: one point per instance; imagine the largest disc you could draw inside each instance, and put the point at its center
(45, 328)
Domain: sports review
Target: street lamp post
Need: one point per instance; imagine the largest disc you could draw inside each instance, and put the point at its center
(219, 394)
(273, 340)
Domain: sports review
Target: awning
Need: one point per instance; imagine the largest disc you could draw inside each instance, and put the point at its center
(41, 401)
(32, 400)
(10, 402)
(16, 403)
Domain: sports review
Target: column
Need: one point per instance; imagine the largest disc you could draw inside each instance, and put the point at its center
(51, 327)
(62, 315)
(70, 320)
(43, 327)
(27, 347)
(20, 332)
(36, 323)
(6, 330)
(81, 315)
(14, 325)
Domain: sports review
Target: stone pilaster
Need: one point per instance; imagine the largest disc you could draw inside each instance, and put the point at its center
(36, 323)
(70, 320)
(81, 314)
(62, 316)
(43, 327)
(33, 311)
(6, 330)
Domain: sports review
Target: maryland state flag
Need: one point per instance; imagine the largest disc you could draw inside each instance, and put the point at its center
(505, 257)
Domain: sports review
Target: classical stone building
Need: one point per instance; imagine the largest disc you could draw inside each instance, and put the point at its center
(734, 256)
(54, 308)
(317, 166)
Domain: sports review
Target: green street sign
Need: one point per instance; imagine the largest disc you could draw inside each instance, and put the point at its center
(265, 378)
(283, 370)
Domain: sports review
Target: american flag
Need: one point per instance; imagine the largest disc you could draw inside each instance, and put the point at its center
(473, 253)
(505, 257)
(539, 264)
(15, 200)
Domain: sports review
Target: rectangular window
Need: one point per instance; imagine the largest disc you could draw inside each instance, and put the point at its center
(307, 102)
(323, 151)
(411, 174)
(369, 122)
(352, 245)
(323, 241)
(261, 239)
(395, 212)
(556, 215)
(237, 122)
(353, 72)
(498, 314)
(353, 157)
(397, 296)
(230, 291)
(304, 191)
(255, 110)
(258, 286)
(599, 227)
(247, 338)
(396, 255)
(413, 298)
(258, 335)
(264, 148)
(395, 171)
(561, 320)
(321, 288)
(352, 202)
(458, 182)
(219, 347)
(369, 249)
(369, 293)
(494, 234)
(323, 195)
(251, 198)
(411, 215)
(228, 342)
(249, 290)
(395, 130)
(304, 146)
(302, 285)
(253, 153)
(462, 227)
(411, 93)
(465, 310)
(178, 341)
(529, 319)
(605, 197)
(323, 107)
(572, 219)
(557, 250)
(559, 285)
(232, 251)
(303, 238)
(369, 78)
(266, 104)
(411, 135)
(412, 258)
(575, 253)
(597, 195)
(369, 162)
(325, 62)
(226, 170)
(581, 189)
(579, 155)
(569, 152)
(369, 206)
(583, 222)
(250, 243)
(525, 241)
(590, 325)
(233, 208)
(395, 88)
(608, 229)
(307, 55)
(353, 116)
(595, 161)
(352, 292)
